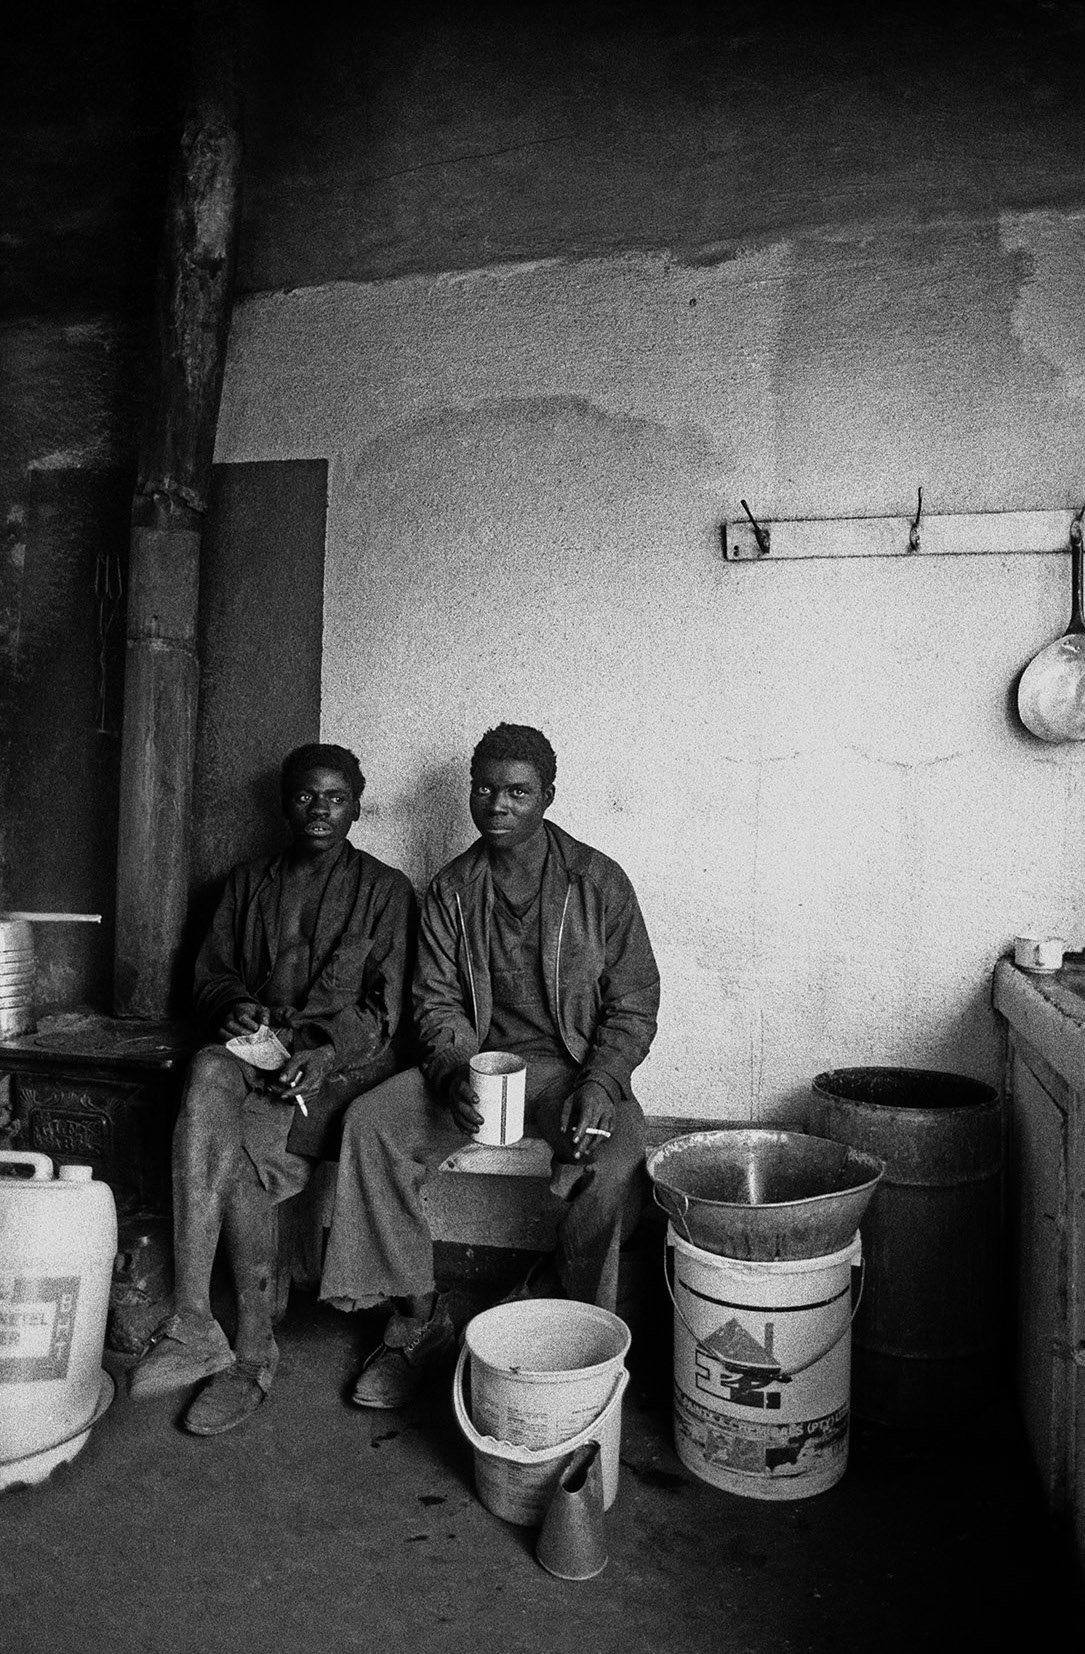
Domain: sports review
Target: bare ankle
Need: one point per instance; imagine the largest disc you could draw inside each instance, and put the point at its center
(192, 1308)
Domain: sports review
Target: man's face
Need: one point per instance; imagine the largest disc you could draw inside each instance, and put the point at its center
(508, 802)
(319, 809)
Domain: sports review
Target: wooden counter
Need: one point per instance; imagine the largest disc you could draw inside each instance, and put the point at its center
(1045, 1095)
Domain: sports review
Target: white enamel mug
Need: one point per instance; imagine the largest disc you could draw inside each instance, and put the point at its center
(1038, 953)
(498, 1083)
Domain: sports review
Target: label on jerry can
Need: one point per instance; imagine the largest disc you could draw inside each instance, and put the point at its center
(37, 1323)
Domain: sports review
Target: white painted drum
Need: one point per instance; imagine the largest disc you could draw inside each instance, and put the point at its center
(762, 1369)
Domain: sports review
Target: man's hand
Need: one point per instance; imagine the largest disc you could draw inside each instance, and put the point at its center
(460, 1102)
(303, 1074)
(245, 1016)
(587, 1118)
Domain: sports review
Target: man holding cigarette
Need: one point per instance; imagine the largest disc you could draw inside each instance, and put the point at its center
(531, 944)
(301, 983)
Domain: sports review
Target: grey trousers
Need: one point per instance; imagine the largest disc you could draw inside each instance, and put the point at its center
(396, 1136)
(227, 1122)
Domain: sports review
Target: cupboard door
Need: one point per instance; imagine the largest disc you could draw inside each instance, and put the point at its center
(1044, 1368)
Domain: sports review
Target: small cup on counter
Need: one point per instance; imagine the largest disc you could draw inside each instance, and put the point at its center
(1042, 954)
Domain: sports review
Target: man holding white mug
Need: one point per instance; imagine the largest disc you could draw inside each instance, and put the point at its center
(532, 944)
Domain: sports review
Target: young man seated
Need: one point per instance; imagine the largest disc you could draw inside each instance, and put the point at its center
(316, 943)
(533, 944)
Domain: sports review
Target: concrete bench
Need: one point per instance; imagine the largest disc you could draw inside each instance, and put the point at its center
(485, 1206)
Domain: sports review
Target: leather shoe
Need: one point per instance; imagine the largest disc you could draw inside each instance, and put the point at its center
(184, 1349)
(411, 1353)
(229, 1398)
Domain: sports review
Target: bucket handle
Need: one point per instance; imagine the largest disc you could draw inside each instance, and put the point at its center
(784, 1378)
(40, 1164)
(677, 1196)
(530, 1455)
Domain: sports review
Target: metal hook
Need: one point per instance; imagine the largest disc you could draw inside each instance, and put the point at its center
(913, 532)
(761, 535)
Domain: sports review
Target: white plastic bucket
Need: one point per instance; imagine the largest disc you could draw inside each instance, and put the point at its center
(58, 1239)
(547, 1375)
(762, 1369)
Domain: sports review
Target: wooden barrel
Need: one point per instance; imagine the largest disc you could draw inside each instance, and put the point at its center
(925, 1337)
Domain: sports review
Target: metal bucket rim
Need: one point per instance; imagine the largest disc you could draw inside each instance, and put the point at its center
(822, 1084)
(765, 1133)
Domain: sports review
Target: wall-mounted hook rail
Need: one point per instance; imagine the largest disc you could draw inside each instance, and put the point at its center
(913, 532)
(761, 535)
(964, 534)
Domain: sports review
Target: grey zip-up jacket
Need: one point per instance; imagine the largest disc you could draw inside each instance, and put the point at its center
(601, 978)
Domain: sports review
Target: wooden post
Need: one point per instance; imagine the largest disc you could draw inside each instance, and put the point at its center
(161, 671)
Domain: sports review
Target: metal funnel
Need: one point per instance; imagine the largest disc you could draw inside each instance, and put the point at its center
(745, 1192)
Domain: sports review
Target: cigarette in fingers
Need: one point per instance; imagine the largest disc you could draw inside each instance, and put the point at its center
(595, 1131)
(301, 1104)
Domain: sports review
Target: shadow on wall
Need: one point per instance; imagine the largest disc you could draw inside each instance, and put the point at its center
(265, 834)
(792, 1113)
(436, 823)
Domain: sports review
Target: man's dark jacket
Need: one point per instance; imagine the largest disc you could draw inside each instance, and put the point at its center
(601, 979)
(361, 954)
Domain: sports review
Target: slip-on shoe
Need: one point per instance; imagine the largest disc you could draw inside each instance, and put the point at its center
(229, 1398)
(411, 1353)
(184, 1349)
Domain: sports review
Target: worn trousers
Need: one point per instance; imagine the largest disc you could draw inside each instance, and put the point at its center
(227, 1125)
(395, 1138)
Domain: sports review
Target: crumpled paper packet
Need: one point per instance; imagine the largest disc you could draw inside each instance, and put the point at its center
(263, 1049)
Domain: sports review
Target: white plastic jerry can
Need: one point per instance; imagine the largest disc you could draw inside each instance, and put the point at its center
(58, 1239)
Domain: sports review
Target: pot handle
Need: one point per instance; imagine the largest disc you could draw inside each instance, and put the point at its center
(679, 1210)
(40, 1164)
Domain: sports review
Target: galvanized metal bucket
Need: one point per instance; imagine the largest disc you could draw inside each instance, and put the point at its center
(750, 1192)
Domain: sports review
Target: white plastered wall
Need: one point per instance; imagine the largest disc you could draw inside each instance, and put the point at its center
(812, 771)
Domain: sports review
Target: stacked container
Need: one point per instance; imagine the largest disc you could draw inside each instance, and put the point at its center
(766, 1261)
(16, 977)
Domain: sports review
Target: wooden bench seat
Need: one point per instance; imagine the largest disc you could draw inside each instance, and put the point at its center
(481, 1204)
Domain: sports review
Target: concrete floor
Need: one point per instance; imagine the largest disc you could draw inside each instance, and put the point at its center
(318, 1527)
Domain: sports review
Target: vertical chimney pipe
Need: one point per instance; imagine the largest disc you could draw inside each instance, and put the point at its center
(192, 320)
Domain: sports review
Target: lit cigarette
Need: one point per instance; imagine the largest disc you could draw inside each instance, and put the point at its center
(595, 1131)
(301, 1104)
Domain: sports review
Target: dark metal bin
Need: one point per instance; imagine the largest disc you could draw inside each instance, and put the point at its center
(926, 1335)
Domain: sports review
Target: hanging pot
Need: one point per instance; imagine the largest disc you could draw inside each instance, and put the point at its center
(1051, 693)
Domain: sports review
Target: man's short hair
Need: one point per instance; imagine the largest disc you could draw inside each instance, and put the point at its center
(517, 744)
(321, 755)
